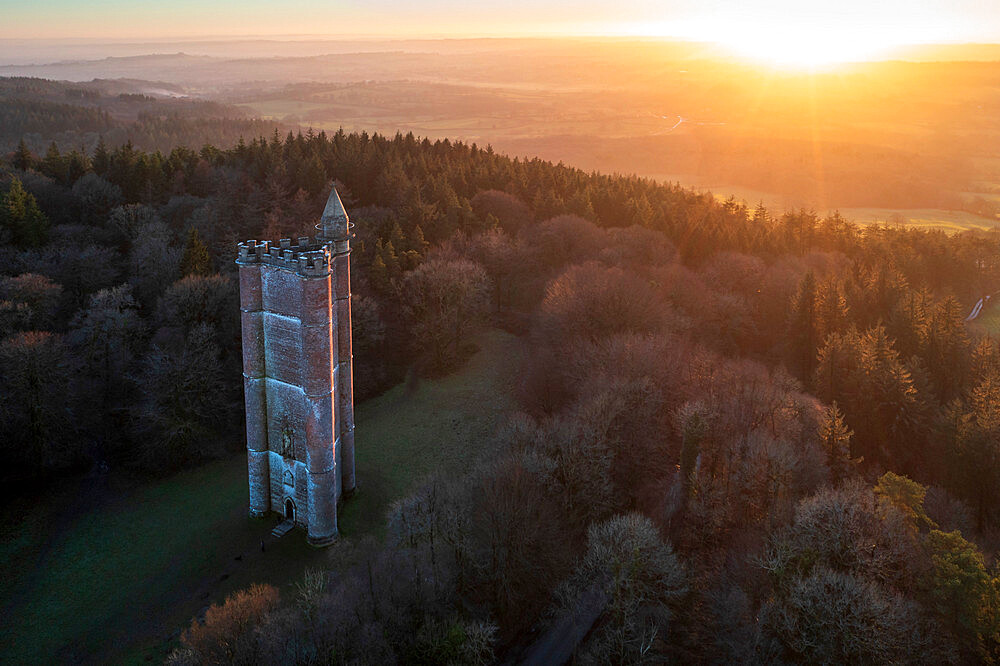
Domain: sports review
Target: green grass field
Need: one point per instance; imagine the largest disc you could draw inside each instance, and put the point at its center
(927, 218)
(110, 575)
(988, 320)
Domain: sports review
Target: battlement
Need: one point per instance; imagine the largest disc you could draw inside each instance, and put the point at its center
(306, 256)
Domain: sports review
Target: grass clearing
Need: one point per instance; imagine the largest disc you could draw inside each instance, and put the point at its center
(110, 575)
(988, 320)
(115, 563)
(440, 426)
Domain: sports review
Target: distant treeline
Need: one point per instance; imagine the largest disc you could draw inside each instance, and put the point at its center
(39, 111)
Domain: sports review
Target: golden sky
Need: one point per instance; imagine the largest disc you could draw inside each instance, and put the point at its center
(813, 32)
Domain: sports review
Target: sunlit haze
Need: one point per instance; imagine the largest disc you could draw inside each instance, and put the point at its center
(806, 34)
(782, 32)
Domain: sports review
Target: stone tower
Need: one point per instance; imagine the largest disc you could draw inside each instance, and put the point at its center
(295, 302)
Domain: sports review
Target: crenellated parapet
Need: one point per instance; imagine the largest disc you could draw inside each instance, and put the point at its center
(306, 256)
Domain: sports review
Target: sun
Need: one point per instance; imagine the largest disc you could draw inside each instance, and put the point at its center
(785, 41)
(800, 49)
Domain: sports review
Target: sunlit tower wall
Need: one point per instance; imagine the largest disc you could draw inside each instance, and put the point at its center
(297, 373)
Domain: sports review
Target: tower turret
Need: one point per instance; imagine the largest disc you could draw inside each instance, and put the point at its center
(335, 228)
(334, 225)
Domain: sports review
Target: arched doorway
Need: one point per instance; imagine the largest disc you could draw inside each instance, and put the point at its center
(290, 510)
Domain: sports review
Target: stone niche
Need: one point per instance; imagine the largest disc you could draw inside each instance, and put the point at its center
(286, 418)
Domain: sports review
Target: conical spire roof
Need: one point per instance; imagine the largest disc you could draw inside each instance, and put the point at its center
(334, 220)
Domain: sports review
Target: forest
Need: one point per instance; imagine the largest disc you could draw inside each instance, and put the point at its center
(742, 436)
(78, 115)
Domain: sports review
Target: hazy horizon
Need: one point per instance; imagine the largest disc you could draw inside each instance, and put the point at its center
(46, 51)
(769, 30)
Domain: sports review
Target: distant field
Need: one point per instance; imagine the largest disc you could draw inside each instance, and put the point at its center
(771, 200)
(989, 319)
(278, 109)
(929, 218)
(113, 580)
(987, 194)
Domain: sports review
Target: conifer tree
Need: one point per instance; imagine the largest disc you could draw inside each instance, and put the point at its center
(864, 374)
(102, 160)
(396, 236)
(946, 348)
(77, 165)
(378, 275)
(908, 320)
(761, 216)
(959, 584)
(832, 313)
(892, 409)
(388, 253)
(311, 176)
(21, 217)
(417, 242)
(985, 360)
(53, 165)
(906, 495)
(975, 459)
(195, 260)
(836, 439)
(580, 204)
(802, 327)
(23, 159)
(642, 211)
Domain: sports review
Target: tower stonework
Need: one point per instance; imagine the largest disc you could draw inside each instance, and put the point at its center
(295, 302)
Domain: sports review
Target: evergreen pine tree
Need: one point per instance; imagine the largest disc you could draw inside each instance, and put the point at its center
(836, 440)
(417, 241)
(802, 330)
(102, 160)
(831, 310)
(388, 253)
(761, 216)
(311, 175)
(946, 348)
(23, 159)
(985, 360)
(77, 164)
(195, 260)
(396, 237)
(580, 205)
(53, 165)
(21, 217)
(642, 211)
(378, 275)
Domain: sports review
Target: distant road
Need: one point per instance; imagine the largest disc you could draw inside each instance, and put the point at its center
(680, 120)
(675, 126)
(978, 307)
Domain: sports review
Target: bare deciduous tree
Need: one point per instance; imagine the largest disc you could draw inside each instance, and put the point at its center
(446, 300)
